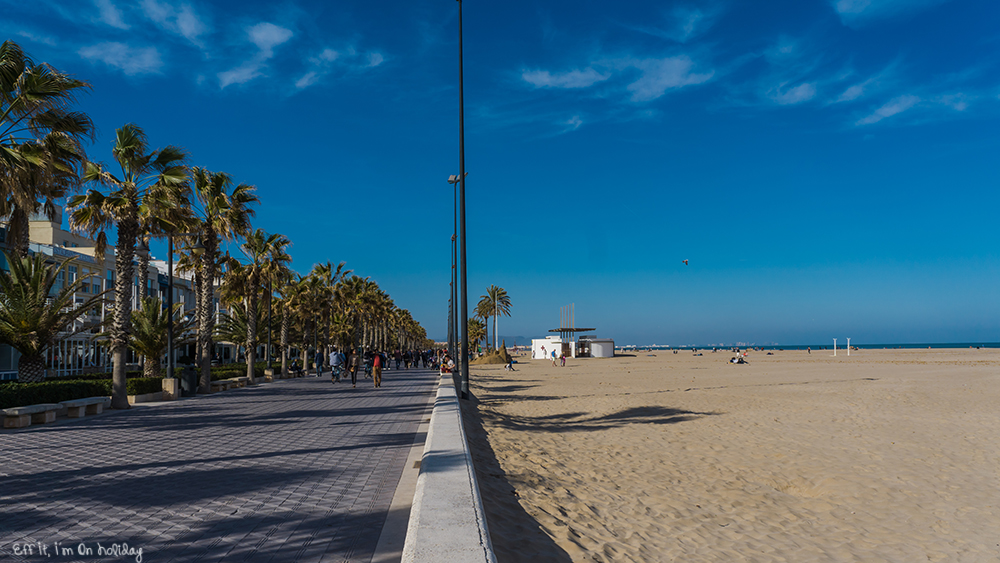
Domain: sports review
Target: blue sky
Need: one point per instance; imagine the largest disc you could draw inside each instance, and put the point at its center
(828, 168)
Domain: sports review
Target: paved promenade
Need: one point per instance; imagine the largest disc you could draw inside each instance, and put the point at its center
(295, 470)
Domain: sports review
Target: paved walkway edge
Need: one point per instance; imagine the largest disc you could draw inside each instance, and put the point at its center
(447, 522)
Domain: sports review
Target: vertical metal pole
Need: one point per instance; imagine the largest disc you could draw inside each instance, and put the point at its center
(270, 297)
(170, 305)
(464, 319)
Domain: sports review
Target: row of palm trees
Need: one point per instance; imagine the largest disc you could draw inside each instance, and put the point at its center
(153, 193)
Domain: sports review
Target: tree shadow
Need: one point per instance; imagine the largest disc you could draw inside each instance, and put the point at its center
(580, 422)
(515, 534)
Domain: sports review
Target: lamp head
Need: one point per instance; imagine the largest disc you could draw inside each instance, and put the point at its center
(198, 248)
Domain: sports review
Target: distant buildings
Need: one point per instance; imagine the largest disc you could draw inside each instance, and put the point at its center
(81, 353)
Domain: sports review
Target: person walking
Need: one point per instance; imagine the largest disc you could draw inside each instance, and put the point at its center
(352, 366)
(377, 369)
(319, 363)
(398, 357)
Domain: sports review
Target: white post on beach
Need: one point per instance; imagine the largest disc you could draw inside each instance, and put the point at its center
(848, 346)
(834, 346)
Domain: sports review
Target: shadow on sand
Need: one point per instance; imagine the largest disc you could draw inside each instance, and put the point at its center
(515, 534)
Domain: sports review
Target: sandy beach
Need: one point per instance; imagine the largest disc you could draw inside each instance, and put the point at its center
(886, 455)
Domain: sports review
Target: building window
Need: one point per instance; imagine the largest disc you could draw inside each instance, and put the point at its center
(97, 288)
(72, 274)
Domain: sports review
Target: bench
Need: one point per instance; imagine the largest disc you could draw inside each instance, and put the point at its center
(21, 417)
(221, 385)
(244, 381)
(77, 408)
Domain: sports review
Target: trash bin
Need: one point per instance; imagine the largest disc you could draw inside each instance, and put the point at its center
(189, 382)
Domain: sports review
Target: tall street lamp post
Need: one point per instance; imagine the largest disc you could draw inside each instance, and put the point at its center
(464, 319)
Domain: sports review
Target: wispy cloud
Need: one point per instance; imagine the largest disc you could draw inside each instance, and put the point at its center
(130, 60)
(182, 20)
(796, 95)
(660, 75)
(323, 63)
(44, 39)
(683, 23)
(110, 14)
(573, 123)
(266, 36)
(859, 12)
(570, 79)
(892, 107)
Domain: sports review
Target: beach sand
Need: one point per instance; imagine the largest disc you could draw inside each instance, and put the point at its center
(886, 455)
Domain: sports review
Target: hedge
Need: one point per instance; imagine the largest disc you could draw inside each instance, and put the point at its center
(23, 394)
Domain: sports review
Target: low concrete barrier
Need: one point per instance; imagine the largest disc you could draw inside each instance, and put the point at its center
(447, 522)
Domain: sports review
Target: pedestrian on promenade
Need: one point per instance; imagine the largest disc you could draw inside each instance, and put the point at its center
(398, 356)
(377, 369)
(319, 363)
(337, 363)
(352, 366)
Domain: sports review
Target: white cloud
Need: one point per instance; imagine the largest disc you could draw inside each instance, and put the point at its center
(375, 59)
(796, 95)
(683, 24)
(266, 36)
(180, 20)
(852, 93)
(857, 12)
(110, 14)
(573, 123)
(130, 60)
(241, 74)
(957, 102)
(327, 55)
(891, 108)
(660, 75)
(307, 80)
(572, 79)
(44, 39)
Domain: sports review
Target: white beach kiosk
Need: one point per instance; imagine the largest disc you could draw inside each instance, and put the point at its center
(564, 344)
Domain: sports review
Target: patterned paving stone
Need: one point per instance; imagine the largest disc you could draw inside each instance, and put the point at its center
(296, 470)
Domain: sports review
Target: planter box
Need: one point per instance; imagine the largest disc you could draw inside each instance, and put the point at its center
(147, 398)
(171, 389)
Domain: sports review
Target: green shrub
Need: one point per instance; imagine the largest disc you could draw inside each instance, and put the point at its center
(23, 394)
(142, 385)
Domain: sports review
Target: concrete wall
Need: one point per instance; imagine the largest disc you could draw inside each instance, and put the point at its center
(602, 348)
(447, 522)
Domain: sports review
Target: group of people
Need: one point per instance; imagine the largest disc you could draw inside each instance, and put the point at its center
(373, 362)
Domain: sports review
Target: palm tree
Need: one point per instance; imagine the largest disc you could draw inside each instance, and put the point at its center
(149, 332)
(225, 214)
(40, 139)
(33, 312)
(260, 249)
(483, 311)
(477, 332)
(497, 302)
(144, 173)
(60, 157)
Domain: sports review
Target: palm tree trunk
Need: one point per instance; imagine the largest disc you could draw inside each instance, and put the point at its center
(143, 265)
(121, 324)
(31, 369)
(285, 323)
(22, 240)
(206, 317)
(251, 302)
(151, 367)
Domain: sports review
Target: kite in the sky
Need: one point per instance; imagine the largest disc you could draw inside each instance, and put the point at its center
(685, 262)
